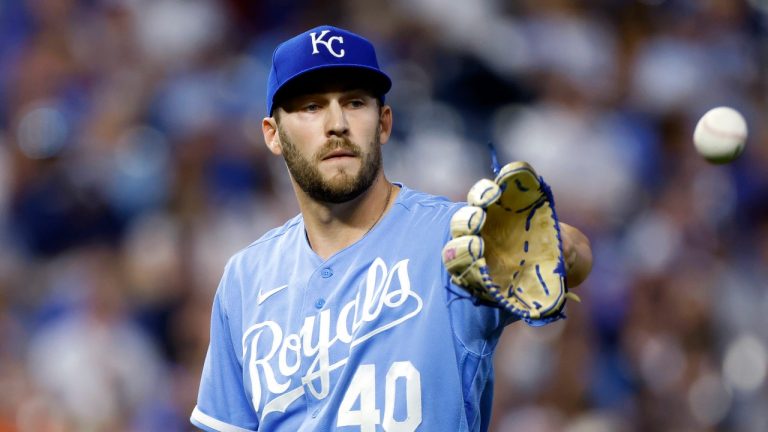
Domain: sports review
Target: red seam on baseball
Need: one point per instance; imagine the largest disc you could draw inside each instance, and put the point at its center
(721, 133)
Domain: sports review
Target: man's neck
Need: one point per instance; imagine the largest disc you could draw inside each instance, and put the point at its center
(332, 227)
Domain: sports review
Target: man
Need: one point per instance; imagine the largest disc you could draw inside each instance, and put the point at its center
(345, 318)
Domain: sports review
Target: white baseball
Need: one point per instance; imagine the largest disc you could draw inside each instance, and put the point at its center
(720, 135)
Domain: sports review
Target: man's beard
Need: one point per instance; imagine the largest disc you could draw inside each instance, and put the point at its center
(344, 186)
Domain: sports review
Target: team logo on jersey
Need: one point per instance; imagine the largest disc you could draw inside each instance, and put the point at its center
(327, 43)
(271, 356)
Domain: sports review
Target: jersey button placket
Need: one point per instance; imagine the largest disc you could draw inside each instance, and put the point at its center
(325, 273)
(319, 289)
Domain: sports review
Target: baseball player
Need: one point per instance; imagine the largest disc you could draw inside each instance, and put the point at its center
(378, 307)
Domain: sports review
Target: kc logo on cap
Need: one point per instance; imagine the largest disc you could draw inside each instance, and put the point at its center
(328, 43)
(322, 48)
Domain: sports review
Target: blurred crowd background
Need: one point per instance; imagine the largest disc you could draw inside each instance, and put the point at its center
(132, 166)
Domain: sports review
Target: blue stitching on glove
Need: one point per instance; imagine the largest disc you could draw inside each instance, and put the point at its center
(495, 165)
(477, 301)
(539, 201)
(469, 221)
(560, 268)
(469, 249)
(536, 205)
(464, 295)
(482, 195)
(521, 301)
(543, 321)
(541, 280)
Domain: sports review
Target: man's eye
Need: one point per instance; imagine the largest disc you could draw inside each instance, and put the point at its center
(311, 107)
(356, 103)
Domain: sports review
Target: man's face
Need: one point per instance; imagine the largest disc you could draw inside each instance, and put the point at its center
(331, 142)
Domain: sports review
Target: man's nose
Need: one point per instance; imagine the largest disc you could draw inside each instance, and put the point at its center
(336, 122)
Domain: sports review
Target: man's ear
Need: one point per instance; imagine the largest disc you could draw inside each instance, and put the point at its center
(271, 135)
(385, 122)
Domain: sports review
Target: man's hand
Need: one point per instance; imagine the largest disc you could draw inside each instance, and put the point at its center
(577, 252)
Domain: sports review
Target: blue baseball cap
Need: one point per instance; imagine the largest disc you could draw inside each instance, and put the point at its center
(325, 48)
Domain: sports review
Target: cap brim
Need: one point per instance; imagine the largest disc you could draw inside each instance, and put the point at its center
(320, 77)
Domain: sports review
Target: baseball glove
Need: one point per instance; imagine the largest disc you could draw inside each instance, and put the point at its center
(506, 246)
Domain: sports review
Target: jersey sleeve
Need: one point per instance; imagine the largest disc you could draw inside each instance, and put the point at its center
(222, 403)
(477, 325)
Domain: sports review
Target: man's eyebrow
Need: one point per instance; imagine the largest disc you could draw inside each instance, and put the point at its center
(342, 92)
(303, 97)
(358, 91)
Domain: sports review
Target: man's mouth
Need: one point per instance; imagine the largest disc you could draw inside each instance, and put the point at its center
(339, 153)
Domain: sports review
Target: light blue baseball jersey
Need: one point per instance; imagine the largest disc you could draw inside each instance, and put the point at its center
(375, 338)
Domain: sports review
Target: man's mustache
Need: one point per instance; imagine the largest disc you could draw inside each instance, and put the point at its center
(334, 144)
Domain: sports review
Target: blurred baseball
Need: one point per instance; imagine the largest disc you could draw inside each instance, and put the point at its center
(720, 135)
